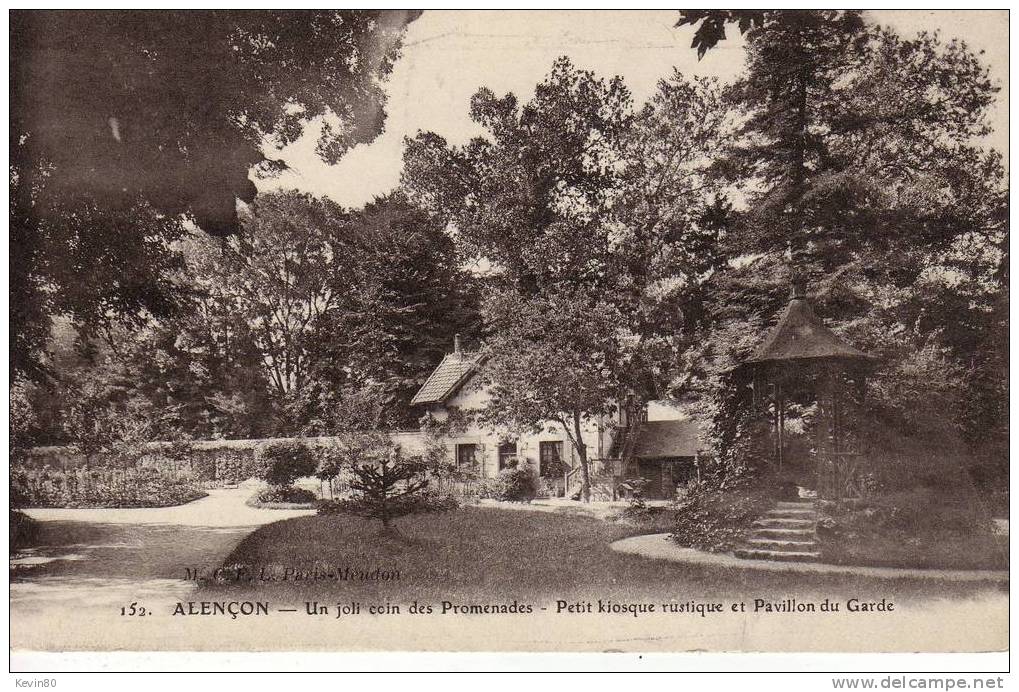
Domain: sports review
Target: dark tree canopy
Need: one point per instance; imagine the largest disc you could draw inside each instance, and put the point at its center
(167, 112)
(314, 319)
(173, 107)
(401, 295)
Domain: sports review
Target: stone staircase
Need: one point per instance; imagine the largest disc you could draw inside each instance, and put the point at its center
(784, 533)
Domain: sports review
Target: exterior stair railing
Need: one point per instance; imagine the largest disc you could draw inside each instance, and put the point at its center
(611, 470)
(605, 478)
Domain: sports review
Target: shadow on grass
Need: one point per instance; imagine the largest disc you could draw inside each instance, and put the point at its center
(131, 551)
(485, 553)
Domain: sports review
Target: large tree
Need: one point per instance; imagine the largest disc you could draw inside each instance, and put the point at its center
(552, 358)
(277, 279)
(853, 141)
(665, 225)
(579, 190)
(600, 221)
(401, 294)
(530, 196)
(122, 124)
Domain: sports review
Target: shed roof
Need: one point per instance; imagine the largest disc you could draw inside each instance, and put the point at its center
(800, 334)
(667, 438)
(451, 374)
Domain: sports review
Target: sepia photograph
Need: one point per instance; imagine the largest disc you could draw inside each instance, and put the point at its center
(522, 331)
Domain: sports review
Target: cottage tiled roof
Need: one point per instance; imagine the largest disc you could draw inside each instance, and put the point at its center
(800, 334)
(451, 374)
(667, 438)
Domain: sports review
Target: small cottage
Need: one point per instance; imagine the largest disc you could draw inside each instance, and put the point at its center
(664, 451)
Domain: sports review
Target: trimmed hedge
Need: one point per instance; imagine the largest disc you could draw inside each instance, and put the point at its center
(109, 488)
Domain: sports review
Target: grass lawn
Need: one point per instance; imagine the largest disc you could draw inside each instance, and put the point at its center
(487, 552)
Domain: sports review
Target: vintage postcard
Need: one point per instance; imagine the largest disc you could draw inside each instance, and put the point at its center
(509, 331)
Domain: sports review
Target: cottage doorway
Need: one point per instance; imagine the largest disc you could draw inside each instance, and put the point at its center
(651, 471)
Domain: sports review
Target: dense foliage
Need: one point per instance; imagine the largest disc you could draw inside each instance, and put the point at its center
(714, 519)
(308, 322)
(858, 153)
(923, 527)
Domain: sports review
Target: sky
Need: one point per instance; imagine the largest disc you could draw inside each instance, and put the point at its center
(448, 55)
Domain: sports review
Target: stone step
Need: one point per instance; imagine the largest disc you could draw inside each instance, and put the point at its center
(791, 514)
(801, 504)
(785, 534)
(795, 536)
(804, 556)
(781, 546)
(784, 523)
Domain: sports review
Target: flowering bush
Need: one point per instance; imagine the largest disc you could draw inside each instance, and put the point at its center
(516, 484)
(550, 487)
(488, 488)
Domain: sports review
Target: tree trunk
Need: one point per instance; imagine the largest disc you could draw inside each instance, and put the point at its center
(585, 473)
(798, 241)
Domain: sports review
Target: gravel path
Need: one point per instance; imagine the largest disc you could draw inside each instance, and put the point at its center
(657, 546)
(91, 562)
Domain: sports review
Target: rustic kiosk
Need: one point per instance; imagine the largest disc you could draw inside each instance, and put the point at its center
(803, 360)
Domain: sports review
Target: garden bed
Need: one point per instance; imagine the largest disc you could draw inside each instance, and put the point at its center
(283, 498)
(115, 497)
(921, 528)
(102, 488)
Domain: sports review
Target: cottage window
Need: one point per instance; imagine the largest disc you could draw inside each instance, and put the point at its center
(551, 457)
(467, 456)
(507, 452)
